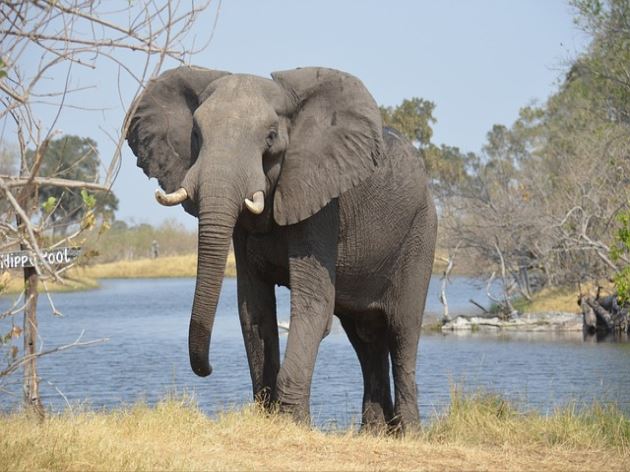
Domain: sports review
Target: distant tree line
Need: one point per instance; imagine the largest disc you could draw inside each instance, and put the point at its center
(71, 158)
(75, 158)
(67, 209)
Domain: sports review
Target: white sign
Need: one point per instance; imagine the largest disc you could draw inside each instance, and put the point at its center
(20, 259)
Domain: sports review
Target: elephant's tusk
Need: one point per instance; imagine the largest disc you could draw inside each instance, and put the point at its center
(258, 204)
(170, 199)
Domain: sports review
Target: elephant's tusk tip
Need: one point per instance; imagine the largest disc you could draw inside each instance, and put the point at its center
(170, 199)
(257, 204)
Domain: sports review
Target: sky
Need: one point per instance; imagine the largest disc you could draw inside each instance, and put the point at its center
(479, 61)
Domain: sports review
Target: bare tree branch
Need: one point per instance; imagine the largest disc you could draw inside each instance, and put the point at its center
(42, 40)
(77, 343)
(12, 182)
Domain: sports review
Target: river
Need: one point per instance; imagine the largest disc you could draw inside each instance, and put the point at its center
(146, 357)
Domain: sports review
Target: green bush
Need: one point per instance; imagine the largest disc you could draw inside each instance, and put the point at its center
(619, 253)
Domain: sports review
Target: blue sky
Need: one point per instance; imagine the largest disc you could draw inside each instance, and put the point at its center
(478, 60)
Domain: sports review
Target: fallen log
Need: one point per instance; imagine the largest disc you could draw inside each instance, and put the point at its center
(605, 315)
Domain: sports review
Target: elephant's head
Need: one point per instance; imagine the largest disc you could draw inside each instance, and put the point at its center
(228, 145)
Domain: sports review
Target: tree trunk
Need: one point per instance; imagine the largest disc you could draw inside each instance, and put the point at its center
(32, 400)
(30, 386)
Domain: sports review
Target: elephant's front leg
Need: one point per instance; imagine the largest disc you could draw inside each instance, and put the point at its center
(312, 260)
(257, 312)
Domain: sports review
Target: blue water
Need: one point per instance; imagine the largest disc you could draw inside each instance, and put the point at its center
(145, 357)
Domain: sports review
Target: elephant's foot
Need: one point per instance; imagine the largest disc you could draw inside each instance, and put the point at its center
(405, 422)
(375, 428)
(263, 398)
(300, 413)
(375, 420)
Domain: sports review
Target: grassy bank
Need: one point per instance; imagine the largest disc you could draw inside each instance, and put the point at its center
(559, 298)
(15, 284)
(174, 266)
(550, 299)
(86, 277)
(479, 433)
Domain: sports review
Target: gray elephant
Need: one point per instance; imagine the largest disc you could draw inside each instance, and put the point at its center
(316, 196)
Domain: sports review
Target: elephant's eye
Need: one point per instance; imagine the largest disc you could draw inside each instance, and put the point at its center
(271, 137)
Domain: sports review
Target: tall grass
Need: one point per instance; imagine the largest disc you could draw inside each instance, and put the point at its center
(478, 433)
(483, 418)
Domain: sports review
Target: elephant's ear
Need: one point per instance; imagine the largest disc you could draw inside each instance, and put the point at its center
(335, 141)
(160, 123)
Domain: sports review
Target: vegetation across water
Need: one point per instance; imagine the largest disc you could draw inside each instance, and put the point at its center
(169, 266)
(86, 277)
(480, 432)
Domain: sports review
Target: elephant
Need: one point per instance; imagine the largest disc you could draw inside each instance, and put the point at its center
(299, 174)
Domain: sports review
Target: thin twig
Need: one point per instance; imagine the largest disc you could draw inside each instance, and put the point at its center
(16, 365)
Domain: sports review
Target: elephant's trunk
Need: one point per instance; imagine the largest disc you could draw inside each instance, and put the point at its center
(217, 217)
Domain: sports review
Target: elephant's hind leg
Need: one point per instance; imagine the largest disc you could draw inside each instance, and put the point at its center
(365, 332)
(406, 308)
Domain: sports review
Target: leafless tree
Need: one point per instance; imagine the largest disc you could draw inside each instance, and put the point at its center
(543, 212)
(44, 44)
(445, 280)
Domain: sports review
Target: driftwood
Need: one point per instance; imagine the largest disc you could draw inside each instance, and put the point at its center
(605, 315)
(478, 305)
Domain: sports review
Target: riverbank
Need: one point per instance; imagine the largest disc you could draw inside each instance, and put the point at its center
(479, 433)
(86, 277)
(552, 299)
(552, 321)
(550, 310)
(14, 284)
(162, 267)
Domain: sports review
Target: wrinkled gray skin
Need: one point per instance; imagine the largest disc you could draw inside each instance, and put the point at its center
(349, 224)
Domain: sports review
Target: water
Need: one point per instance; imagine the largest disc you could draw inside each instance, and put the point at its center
(146, 356)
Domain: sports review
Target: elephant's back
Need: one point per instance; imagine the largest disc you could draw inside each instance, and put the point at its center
(377, 216)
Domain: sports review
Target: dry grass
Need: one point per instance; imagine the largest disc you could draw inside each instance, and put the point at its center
(551, 299)
(174, 266)
(86, 277)
(558, 299)
(479, 433)
(14, 283)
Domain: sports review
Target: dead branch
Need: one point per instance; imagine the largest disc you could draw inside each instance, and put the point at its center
(77, 343)
(12, 182)
(450, 262)
(45, 39)
(478, 305)
(26, 221)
